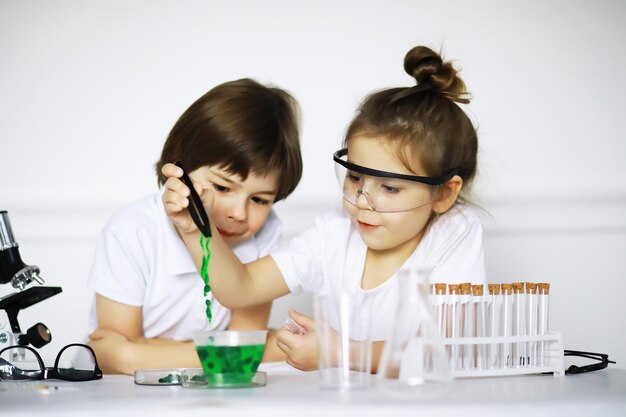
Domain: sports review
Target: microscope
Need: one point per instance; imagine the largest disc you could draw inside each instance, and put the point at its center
(13, 270)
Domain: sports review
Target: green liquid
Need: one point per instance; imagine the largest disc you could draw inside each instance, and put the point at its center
(230, 365)
(204, 272)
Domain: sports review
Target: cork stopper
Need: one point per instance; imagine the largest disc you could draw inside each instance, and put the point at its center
(531, 288)
(440, 289)
(477, 290)
(454, 289)
(507, 289)
(466, 288)
(494, 289)
(518, 288)
(544, 288)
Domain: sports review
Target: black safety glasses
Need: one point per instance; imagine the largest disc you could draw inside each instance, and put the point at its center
(603, 361)
(75, 362)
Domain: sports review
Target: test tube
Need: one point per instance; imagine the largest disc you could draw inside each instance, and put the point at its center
(439, 304)
(453, 317)
(543, 298)
(480, 324)
(531, 323)
(519, 323)
(506, 359)
(493, 323)
(467, 327)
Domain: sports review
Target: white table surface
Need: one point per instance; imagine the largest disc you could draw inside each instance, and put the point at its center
(292, 393)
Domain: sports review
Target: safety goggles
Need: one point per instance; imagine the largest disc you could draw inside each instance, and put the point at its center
(382, 191)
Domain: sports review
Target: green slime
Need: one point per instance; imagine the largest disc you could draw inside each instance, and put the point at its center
(204, 271)
(230, 365)
(169, 379)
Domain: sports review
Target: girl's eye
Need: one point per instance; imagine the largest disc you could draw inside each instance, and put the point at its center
(353, 177)
(220, 188)
(260, 201)
(390, 189)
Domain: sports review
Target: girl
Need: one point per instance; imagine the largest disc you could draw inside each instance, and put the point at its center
(408, 154)
(241, 140)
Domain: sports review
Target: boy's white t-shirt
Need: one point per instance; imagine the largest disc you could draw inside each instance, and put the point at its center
(328, 259)
(141, 261)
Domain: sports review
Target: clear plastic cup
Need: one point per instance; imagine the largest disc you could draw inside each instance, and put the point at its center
(230, 357)
(342, 325)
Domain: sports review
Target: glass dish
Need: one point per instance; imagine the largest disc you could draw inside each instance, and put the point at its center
(195, 378)
(158, 376)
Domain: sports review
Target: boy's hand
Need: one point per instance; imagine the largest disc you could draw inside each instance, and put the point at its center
(176, 198)
(301, 349)
(110, 348)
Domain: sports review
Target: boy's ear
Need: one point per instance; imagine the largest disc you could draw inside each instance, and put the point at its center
(447, 195)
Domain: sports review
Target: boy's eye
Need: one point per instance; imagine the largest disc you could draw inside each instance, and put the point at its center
(220, 188)
(260, 201)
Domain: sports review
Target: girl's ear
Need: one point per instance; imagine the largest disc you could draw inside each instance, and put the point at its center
(447, 195)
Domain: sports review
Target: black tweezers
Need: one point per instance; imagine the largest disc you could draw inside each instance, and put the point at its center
(196, 209)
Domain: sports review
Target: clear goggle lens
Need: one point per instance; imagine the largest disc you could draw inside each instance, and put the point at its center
(383, 194)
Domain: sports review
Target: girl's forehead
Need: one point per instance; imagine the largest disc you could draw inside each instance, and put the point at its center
(383, 155)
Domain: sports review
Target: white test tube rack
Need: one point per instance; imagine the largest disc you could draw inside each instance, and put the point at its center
(552, 360)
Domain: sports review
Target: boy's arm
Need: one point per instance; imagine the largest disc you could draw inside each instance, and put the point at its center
(118, 355)
(120, 346)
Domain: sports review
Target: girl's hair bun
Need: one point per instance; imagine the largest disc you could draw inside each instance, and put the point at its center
(431, 72)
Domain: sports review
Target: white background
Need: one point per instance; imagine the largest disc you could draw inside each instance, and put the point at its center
(90, 89)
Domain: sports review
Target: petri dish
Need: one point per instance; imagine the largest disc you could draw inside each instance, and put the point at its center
(195, 378)
(159, 376)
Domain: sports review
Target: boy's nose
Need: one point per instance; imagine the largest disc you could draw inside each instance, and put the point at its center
(238, 211)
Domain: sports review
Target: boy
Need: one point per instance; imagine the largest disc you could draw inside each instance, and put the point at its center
(241, 140)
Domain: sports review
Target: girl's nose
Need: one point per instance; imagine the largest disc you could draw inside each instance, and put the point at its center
(364, 203)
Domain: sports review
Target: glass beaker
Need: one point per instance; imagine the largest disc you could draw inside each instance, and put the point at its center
(342, 325)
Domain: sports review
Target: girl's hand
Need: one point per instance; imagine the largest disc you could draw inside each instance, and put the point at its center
(301, 349)
(176, 198)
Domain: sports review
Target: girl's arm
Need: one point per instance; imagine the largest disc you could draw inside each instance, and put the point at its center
(121, 347)
(253, 318)
(235, 285)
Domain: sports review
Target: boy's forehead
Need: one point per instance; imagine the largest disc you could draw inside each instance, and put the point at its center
(267, 180)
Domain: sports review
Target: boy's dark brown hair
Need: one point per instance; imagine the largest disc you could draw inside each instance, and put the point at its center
(241, 126)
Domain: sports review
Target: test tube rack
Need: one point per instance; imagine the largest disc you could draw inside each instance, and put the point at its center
(549, 356)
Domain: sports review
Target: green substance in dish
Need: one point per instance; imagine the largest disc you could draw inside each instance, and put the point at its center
(230, 365)
(204, 271)
(198, 379)
(169, 379)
